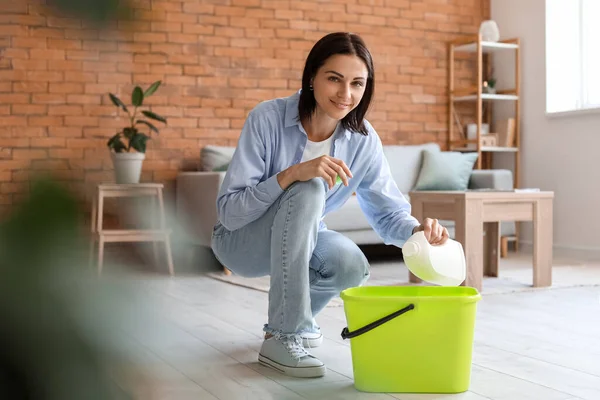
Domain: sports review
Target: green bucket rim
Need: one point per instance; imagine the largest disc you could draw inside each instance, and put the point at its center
(348, 294)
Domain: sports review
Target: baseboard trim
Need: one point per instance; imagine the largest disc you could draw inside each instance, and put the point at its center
(576, 252)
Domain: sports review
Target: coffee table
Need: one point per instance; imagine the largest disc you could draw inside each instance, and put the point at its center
(476, 212)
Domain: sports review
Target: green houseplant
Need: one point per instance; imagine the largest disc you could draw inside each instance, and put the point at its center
(128, 146)
(489, 85)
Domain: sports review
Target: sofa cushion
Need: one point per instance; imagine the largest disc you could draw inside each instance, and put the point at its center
(213, 158)
(446, 170)
(405, 163)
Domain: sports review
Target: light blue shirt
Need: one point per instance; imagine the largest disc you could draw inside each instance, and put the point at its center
(273, 139)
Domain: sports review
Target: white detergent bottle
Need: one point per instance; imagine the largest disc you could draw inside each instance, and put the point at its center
(442, 265)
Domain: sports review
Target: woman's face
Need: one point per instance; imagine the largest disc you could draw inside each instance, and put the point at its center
(339, 85)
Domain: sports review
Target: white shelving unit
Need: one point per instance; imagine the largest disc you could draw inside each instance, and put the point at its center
(487, 96)
(487, 47)
(475, 95)
(494, 149)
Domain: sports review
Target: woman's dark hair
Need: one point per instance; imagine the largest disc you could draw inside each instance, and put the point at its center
(332, 44)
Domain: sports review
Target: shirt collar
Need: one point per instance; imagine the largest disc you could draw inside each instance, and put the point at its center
(292, 114)
(291, 110)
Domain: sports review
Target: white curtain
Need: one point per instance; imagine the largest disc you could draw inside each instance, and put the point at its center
(591, 52)
(572, 55)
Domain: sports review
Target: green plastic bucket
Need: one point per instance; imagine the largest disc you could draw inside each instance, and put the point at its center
(411, 339)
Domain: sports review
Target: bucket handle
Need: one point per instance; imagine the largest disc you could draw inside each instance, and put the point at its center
(346, 334)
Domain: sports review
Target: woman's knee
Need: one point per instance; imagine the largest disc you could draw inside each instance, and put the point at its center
(309, 192)
(352, 269)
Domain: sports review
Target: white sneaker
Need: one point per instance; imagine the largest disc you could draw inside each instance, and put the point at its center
(288, 356)
(310, 340)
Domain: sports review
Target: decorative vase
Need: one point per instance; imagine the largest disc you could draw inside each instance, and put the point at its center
(489, 31)
(128, 167)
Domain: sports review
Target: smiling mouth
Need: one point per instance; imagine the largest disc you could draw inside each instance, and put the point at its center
(341, 106)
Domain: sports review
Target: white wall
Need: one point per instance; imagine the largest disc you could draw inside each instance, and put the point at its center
(558, 154)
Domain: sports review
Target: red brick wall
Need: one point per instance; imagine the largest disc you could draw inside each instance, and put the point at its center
(217, 59)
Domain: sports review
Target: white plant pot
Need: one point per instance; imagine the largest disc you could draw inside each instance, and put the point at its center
(128, 166)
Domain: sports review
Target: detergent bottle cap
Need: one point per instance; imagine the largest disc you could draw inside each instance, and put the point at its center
(411, 249)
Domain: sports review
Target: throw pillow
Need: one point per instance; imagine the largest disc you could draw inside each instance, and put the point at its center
(445, 170)
(212, 157)
(405, 163)
(222, 168)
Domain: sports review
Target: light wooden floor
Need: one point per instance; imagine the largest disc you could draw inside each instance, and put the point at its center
(203, 338)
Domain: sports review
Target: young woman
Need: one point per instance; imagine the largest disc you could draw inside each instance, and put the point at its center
(282, 181)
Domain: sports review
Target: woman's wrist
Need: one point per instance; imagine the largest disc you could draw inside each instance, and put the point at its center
(286, 177)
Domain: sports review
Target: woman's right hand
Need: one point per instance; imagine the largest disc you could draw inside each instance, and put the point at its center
(325, 167)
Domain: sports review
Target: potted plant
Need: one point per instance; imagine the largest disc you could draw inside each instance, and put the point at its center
(128, 146)
(489, 86)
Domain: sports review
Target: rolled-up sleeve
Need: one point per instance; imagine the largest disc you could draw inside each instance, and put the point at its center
(386, 209)
(245, 194)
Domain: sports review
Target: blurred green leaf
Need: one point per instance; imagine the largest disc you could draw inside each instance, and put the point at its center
(150, 91)
(154, 116)
(137, 97)
(49, 215)
(152, 127)
(93, 10)
(46, 351)
(116, 144)
(129, 132)
(138, 142)
(117, 102)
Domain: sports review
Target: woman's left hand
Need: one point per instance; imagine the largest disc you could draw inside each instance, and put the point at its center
(434, 232)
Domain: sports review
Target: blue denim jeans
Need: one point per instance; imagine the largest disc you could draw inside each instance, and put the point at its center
(307, 266)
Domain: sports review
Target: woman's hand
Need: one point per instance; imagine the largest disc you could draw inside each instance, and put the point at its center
(434, 232)
(325, 167)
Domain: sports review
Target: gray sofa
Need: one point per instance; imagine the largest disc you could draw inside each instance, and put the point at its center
(197, 191)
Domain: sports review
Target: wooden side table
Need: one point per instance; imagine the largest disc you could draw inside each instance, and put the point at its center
(129, 235)
(475, 212)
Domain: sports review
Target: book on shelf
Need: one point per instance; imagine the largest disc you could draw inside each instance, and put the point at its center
(505, 129)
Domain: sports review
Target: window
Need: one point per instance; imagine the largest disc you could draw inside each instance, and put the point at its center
(572, 55)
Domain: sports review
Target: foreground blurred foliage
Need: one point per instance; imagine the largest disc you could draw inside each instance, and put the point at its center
(64, 332)
(60, 326)
(99, 11)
